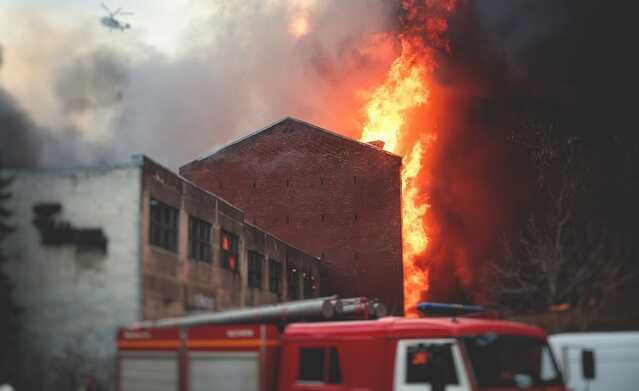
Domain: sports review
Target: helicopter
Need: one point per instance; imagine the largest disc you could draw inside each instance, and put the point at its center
(113, 23)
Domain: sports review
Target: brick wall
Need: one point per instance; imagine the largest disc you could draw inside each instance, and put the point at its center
(174, 284)
(330, 196)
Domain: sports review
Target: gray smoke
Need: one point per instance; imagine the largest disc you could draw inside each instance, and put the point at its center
(91, 82)
(249, 74)
(236, 71)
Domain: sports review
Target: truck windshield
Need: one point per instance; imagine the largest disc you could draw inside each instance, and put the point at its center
(511, 361)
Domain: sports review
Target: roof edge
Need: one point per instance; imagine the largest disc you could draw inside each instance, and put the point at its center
(281, 240)
(363, 143)
(236, 141)
(136, 160)
(299, 121)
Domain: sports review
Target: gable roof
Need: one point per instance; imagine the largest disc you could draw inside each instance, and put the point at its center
(299, 122)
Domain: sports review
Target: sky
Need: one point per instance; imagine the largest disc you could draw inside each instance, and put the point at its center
(158, 23)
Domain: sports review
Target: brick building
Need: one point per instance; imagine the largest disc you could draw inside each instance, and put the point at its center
(329, 195)
(100, 247)
(215, 258)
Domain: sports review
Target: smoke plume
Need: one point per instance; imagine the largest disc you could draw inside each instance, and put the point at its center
(235, 70)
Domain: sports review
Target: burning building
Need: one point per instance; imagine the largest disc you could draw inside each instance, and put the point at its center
(333, 197)
(96, 248)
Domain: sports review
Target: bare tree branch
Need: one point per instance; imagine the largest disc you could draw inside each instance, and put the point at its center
(562, 256)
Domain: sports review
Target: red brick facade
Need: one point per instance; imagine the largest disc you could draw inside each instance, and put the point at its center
(331, 196)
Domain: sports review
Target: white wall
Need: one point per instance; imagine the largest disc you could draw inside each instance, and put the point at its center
(73, 302)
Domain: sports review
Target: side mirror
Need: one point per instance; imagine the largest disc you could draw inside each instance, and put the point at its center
(588, 364)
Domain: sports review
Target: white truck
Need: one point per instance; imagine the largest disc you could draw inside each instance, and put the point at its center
(598, 361)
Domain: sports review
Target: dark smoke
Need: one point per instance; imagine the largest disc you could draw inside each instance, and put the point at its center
(25, 144)
(511, 64)
(19, 145)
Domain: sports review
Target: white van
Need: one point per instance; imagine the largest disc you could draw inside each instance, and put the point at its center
(614, 355)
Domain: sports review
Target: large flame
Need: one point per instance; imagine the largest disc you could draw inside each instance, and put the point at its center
(403, 89)
(406, 88)
(414, 234)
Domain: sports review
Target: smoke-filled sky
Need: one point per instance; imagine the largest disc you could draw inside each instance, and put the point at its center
(187, 77)
(191, 75)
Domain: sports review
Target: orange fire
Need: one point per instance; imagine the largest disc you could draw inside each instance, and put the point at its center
(414, 233)
(403, 89)
(406, 88)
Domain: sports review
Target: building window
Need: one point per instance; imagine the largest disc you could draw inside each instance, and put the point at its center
(255, 261)
(293, 283)
(275, 276)
(229, 253)
(199, 239)
(309, 285)
(164, 225)
(313, 362)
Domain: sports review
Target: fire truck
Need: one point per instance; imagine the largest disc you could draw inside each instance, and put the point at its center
(328, 344)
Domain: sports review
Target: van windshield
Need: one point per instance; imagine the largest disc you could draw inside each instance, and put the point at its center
(511, 361)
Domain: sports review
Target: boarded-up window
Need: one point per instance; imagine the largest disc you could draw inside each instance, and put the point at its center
(199, 239)
(229, 251)
(163, 225)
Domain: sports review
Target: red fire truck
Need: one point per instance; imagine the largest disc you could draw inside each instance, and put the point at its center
(260, 349)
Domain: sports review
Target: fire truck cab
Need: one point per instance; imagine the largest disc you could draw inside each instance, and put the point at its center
(432, 354)
(453, 354)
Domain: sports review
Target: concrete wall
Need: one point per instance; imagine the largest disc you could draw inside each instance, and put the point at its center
(174, 284)
(330, 196)
(74, 294)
